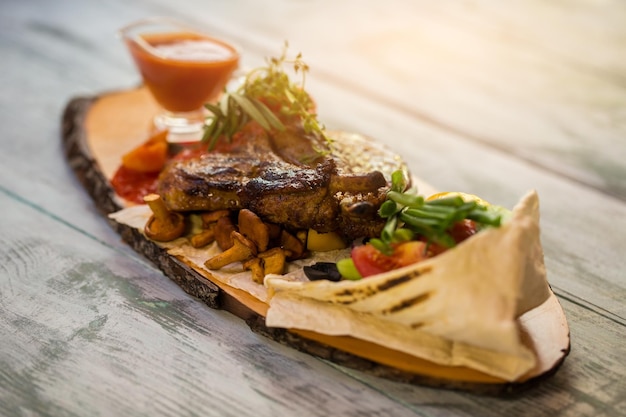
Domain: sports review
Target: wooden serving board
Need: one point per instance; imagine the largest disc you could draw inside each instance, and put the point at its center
(98, 130)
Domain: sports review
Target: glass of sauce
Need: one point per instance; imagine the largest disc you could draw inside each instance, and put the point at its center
(183, 68)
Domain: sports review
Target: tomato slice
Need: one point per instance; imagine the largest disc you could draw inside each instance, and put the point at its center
(150, 156)
(408, 253)
(370, 261)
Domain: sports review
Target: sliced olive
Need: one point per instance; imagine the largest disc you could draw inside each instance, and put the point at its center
(322, 270)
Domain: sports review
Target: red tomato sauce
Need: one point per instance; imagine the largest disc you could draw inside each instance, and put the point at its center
(134, 185)
(186, 70)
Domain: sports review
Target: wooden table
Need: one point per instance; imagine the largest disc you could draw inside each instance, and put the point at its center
(488, 97)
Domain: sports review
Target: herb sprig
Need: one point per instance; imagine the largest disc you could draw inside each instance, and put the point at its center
(408, 214)
(232, 112)
(267, 96)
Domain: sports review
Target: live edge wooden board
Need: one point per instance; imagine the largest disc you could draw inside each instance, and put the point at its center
(96, 131)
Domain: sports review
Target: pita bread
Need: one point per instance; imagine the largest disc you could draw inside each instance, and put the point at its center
(459, 308)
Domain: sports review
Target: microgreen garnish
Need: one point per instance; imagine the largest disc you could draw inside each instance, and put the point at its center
(267, 96)
(409, 214)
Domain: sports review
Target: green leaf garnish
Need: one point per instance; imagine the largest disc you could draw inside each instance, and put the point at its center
(268, 97)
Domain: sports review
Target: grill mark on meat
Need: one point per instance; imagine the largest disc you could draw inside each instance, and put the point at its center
(274, 178)
(296, 198)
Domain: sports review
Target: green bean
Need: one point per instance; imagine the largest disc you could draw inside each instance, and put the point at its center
(387, 209)
(382, 246)
(388, 230)
(408, 200)
(485, 217)
(398, 181)
(454, 201)
(424, 223)
(439, 210)
(429, 214)
(403, 235)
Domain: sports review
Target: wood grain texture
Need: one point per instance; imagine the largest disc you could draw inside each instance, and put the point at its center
(486, 96)
(115, 337)
(112, 335)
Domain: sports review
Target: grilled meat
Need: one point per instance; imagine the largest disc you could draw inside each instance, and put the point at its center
(284, 179)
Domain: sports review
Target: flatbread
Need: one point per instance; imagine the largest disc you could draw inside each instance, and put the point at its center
(459, 308)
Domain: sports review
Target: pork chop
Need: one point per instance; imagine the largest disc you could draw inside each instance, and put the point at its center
(288, 178)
